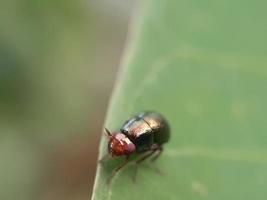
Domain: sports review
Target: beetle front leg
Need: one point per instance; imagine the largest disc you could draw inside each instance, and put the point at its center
(115, 171)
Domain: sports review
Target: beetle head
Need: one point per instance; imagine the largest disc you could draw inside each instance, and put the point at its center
(119, 144)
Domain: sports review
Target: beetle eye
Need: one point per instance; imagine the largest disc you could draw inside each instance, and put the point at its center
(110, 146)
(131, 148)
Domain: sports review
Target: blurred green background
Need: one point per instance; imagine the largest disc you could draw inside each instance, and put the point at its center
(58, 61)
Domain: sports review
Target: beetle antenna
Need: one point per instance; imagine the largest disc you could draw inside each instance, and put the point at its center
(108, 132)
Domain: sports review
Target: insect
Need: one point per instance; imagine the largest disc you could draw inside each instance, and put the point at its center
(144, 134)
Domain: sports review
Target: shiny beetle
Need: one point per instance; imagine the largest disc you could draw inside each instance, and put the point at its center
(142, 134)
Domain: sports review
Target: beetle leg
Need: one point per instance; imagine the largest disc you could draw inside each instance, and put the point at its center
(153, 149)
(115, 171)
(138, 161)
(150, 153)
(159, 151)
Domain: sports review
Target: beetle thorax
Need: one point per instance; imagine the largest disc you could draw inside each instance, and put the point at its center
(120, 145)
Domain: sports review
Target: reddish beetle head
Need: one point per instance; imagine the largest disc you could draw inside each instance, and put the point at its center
(119, 144)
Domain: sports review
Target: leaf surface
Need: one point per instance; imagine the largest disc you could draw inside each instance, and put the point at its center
(202, 64)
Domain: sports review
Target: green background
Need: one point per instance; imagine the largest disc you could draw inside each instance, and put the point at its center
(58, 61)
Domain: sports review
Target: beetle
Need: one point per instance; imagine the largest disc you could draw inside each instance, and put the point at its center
(143, 134)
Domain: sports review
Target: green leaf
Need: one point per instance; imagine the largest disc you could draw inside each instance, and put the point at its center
(202, 64)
